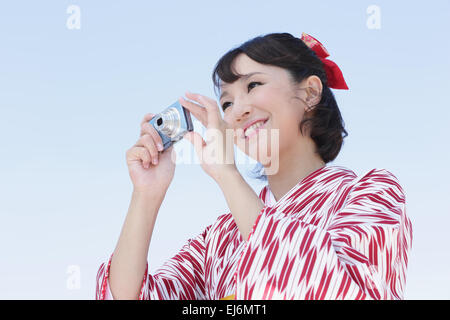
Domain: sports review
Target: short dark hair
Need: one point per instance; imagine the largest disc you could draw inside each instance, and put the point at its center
(292, 54)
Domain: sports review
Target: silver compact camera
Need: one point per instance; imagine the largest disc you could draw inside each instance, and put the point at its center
(172, 124)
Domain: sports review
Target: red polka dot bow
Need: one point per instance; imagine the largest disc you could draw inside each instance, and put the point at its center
(334, 74)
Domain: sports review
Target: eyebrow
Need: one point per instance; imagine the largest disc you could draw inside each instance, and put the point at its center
(244, 77)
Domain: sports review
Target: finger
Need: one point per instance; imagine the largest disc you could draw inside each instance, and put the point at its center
(197, 141)
(198, 111)
(147, 128)
(203, 100)
(141, 154)
(145, 156)
(147, 118)
(147, 141)
(213, 114)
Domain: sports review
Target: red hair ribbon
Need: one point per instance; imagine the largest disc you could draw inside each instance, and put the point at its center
(334, 74)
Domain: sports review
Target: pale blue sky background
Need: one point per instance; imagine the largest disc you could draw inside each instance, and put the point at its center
(71, 102)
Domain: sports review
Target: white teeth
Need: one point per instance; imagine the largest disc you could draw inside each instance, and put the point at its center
(253, 128)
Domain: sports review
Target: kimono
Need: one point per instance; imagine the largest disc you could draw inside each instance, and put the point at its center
(334, 235)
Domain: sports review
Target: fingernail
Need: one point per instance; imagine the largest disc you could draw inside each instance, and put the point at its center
(160, 147)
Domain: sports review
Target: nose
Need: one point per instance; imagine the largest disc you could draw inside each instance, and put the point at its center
(241, 112)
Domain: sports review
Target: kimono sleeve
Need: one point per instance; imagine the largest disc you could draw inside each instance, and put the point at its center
(372, 236)
(361, 253)
(180, 277)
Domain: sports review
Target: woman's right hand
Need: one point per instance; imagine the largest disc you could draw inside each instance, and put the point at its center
(149, 169)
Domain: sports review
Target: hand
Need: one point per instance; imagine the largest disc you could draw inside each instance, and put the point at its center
(216, 155)
(150, 170)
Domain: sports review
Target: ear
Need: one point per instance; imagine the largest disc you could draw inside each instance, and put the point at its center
(314, 90)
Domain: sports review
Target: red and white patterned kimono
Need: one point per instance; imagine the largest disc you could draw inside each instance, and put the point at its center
(334, 235)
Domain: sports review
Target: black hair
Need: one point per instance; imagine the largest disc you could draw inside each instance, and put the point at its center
(292, 54)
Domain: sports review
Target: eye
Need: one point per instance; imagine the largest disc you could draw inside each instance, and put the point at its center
(226, 104)
(252, 83)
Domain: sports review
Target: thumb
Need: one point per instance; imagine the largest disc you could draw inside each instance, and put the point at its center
(197, 141)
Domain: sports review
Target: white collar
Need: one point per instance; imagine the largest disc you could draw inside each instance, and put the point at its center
(270, 199)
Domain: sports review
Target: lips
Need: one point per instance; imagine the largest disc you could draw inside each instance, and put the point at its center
(253, 127)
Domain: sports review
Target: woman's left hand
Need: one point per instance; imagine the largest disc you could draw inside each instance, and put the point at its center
(216, 155)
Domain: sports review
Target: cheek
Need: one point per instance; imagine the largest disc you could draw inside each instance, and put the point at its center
(288, 121)
(226, 118)
(266, 99)
(283, 129)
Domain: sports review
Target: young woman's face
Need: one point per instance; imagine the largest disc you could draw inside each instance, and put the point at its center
(268, 97)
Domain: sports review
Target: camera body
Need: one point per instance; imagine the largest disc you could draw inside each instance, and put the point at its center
(172, 124)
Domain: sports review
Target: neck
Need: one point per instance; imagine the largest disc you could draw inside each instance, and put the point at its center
(295, 164)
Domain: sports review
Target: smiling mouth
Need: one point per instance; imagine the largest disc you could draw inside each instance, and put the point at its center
(253, 129)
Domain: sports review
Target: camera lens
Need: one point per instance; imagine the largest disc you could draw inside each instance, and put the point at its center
(169, 122)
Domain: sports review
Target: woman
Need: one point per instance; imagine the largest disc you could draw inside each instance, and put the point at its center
(314, 232)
